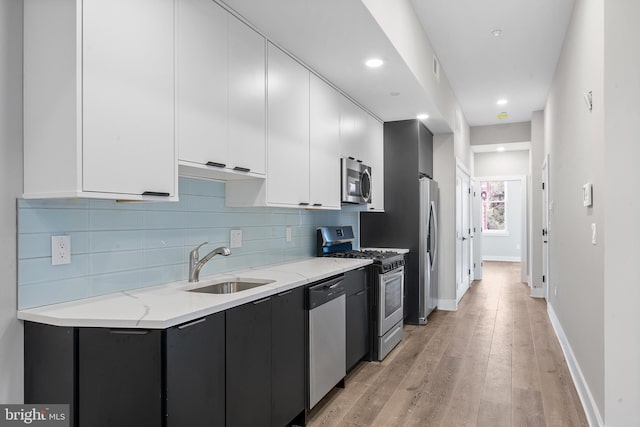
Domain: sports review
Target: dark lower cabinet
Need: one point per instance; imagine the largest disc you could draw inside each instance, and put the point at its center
(120, 377)
(357, 316)
(195, 373)
(49, 365)
(287, 357)
(248, 355)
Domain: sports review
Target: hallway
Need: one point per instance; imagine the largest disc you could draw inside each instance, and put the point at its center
(494, 362)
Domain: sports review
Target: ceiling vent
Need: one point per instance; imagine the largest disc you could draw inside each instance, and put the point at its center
(436, 68)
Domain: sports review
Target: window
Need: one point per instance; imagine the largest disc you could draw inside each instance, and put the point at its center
(494, 200)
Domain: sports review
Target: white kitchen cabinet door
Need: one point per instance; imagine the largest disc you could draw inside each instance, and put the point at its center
(247, 98)
(287, 130)
(324, 145)
(353, 132)
(128, 96)
(202, 82)
(375, 137)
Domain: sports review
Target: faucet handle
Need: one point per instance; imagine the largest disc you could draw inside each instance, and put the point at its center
(194, 252)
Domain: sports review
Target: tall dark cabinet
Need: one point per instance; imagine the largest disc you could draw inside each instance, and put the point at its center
(408, 156)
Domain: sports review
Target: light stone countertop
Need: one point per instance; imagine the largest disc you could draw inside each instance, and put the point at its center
(163, 306)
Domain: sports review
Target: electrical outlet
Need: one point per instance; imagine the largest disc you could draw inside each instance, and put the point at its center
(288, 234)
(60, 250)
(235, 240)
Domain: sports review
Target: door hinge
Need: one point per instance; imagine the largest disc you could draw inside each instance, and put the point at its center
(469, 231)
(543, 279)
(469, 191)
(543, 185)
(469, 271)
(474, 265)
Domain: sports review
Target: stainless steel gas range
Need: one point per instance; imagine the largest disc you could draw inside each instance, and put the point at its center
(386, 285)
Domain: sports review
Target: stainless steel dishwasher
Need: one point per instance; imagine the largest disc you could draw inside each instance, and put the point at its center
(326, 303)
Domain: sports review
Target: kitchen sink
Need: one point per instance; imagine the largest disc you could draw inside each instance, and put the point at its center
(231, 286)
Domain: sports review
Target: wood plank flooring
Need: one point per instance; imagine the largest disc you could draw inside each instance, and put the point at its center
(494, 362)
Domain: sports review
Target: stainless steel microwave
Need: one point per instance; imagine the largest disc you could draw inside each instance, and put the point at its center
(356, 182)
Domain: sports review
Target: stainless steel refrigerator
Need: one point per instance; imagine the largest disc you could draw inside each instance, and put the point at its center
(409, 220)
(428, 271)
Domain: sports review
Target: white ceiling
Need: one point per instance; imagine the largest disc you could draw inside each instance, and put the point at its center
(335, 37)
(482, 68)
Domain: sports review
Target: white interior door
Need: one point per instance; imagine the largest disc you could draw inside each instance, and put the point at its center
(476, 219)
(545, 227)
(463, 231)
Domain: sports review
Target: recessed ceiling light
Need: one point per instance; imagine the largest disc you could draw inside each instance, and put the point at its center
(500, 149)
(422, 116)
(502, 102)
(374, 62)
(497, 32)
(503, 115)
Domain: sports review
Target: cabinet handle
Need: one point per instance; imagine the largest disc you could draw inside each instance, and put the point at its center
(360, 293)
(128, 331)
(241, 169)
(156, 193)
(351, 158)
(317, 204)
(303, 204)
(195, 322)
(216, 164)
(359, 161)
(261, 301)
(372, 209)
(285, 293)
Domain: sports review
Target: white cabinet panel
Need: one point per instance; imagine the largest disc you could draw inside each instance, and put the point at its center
(353, 132)
(100, 123)
(202, 94)
(247, 98)
(375, 137)
(128, 96)
(324, 148)
(287, 130)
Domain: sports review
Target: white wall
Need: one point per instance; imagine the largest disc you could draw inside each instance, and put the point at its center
(11, 346)
(575, 139)
(536, 157)
(622, 214)
(506, 247)
(444, 172)
(501, 134)
(504, 163)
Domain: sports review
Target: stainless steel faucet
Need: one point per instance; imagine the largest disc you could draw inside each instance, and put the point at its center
(196, 264)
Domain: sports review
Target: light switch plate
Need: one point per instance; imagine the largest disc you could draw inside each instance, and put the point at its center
(587, 194)
(60, 250)
(235, 240)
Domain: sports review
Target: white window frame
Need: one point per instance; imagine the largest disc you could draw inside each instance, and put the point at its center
(505, 231)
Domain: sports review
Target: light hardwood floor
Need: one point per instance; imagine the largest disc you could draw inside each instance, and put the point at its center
(494, 362)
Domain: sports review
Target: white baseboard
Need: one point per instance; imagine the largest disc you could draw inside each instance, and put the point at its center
(588, 403)
(447, 305)
(537, 292)
(500, 258)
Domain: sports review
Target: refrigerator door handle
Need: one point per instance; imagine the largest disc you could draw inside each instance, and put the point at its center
(435, 229)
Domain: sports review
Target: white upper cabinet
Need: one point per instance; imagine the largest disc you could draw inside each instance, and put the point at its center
(99, 99)
(287, 130)
(324, 145)
(247, 98)
(375, 137)
(202, 82)
(353, 132)
(221, 93)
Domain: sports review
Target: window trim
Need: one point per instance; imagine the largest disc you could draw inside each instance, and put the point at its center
(497, 233)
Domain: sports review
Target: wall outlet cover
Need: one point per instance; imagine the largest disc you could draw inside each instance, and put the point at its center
(60, 250)
(235, 239)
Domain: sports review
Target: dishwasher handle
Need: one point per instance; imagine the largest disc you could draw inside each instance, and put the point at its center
(324, 292)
